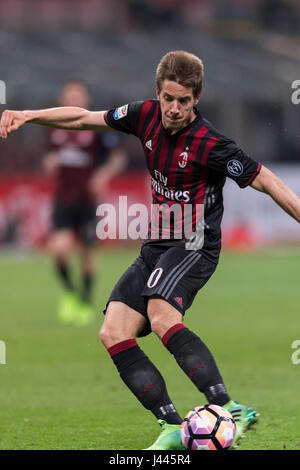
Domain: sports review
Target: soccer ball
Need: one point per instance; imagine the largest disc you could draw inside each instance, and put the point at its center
(208, 427)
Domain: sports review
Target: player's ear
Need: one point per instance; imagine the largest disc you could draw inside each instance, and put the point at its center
(157, 93)
(197, 98)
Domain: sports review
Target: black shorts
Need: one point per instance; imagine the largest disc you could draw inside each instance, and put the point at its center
(79, 218)
(173, 273)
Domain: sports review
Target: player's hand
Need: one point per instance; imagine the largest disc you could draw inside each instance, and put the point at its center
(11, 121)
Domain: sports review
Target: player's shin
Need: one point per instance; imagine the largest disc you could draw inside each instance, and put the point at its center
(63, 271)
(144, 380)
(87, 285)
(197, 362)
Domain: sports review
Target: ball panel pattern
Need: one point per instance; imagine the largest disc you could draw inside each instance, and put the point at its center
(207, 427)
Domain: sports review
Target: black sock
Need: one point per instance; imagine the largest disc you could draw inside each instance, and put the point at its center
(197, 362)
(87, 284)
(144, 380)
(63, 271)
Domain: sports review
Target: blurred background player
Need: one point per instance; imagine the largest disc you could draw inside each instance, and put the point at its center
(83, 164)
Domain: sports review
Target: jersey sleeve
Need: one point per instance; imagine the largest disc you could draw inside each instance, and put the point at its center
(125, 118)
(227, 158)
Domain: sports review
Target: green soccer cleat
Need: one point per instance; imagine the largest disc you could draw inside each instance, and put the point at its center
(68, 307)
(243, 417)
(169, 438)
(85, 314)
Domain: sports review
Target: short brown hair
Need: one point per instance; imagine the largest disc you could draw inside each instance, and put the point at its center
(181, 67)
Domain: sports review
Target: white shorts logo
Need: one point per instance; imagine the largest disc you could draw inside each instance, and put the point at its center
(235, 167)
(121, 112)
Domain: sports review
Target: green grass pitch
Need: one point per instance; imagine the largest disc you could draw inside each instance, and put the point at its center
(60, 390)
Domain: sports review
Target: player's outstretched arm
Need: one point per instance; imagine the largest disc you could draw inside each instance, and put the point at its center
(270, 184)
(66, 117)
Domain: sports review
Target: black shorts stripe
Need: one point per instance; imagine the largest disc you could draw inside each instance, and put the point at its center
(172, 275)
(180, 275)
(172, 284)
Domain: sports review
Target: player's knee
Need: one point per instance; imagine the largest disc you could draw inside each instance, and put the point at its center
(156, 326)
(61, 245)
(109, 336)
(156, 319)
(159, 326)
(105, 336)
(111, 333)
(162, 316)
(55, 249)
(121, 323)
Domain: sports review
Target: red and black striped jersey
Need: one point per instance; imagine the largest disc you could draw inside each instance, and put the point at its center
(188, 168)
(79, 153)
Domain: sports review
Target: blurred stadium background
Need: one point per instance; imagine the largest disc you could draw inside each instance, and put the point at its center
(251, 52)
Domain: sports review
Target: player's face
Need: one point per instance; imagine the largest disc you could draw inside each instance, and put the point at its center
(176, 103)
(74, 94)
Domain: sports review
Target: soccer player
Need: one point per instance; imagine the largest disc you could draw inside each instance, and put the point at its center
(188, 160)
(82, 163)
